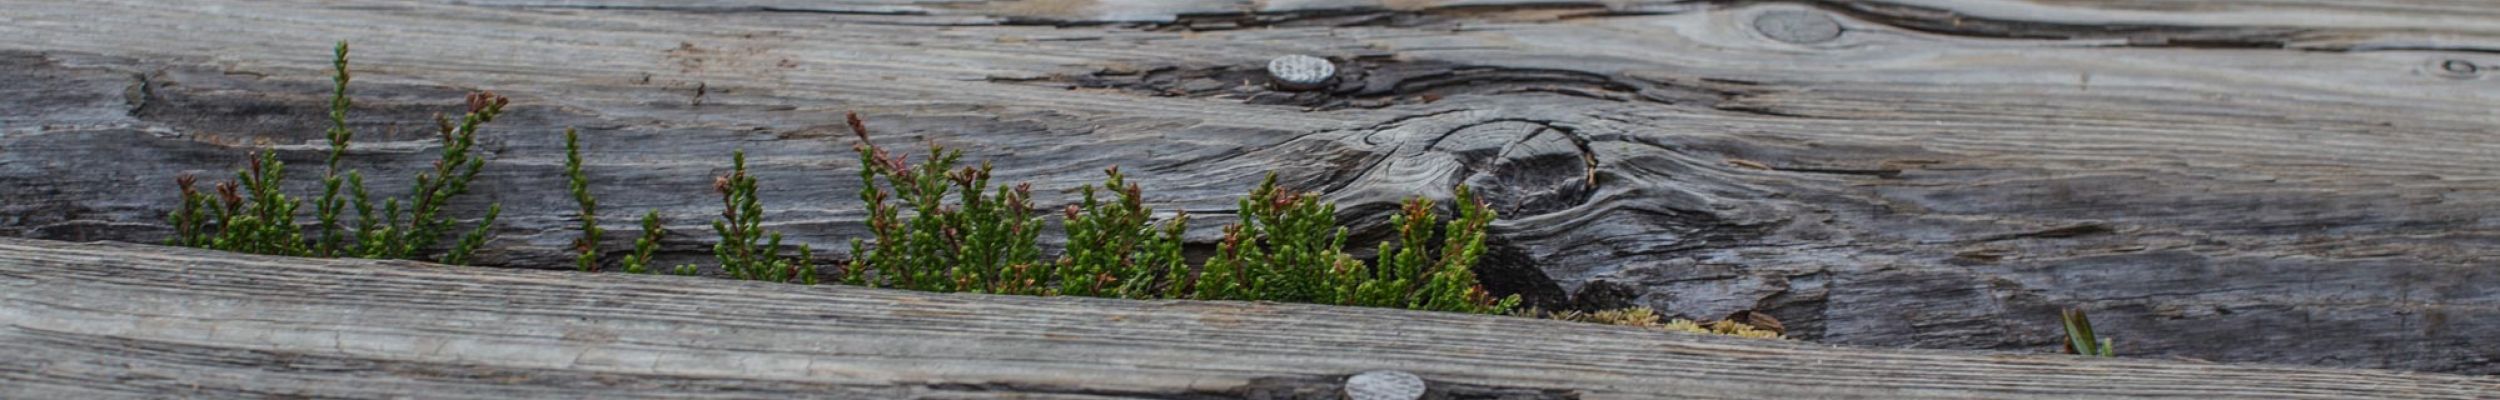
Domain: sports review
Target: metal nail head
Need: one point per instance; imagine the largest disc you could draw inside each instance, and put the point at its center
(1384, 385)
(1299, 72)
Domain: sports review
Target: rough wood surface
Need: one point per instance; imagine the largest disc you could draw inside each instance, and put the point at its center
(93, 321)
(2305, 182)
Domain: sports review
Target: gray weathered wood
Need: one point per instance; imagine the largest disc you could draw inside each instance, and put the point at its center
(2303, 181)
(95, 321)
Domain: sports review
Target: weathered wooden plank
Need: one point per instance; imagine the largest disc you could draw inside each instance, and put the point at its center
(108, 320)
(1898, 173)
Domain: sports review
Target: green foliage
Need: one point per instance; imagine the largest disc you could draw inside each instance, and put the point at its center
(1287, 247)
(251, 215)
(2079, 336)
(983, 242)
(467, 245)
(640, 261)
(1114, 249)
(450, 177)
(327, 209)
(962, 234)
(745, 250)
(588, 245)
(248, 214)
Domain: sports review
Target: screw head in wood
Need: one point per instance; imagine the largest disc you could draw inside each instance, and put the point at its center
(1800, 27)
(1384, 385)
(1299, 72)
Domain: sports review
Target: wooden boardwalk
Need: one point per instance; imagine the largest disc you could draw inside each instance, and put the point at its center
(2296, 182)
(92, 321)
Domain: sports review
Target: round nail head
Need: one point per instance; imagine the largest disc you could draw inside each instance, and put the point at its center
(1300, 71)
(1384, 385)
(1794, 26)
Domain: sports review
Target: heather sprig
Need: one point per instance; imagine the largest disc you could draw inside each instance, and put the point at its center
(246, 215)
(746, 250)
(251, 215)
(984, 241)
(1114, 249)
(1287, 246)
(588, 245)
(468, 244)
(327, 209)
(640, 261)
(450, 177)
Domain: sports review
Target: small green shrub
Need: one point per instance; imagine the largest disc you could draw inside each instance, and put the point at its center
(1114, 248)
(983, 242)
(251, 215)
(1287, 248)
(247, 215)
(746, 250)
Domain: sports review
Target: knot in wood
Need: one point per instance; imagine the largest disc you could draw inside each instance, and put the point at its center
(1299, 72)
(1384, 385)
(1799, 27)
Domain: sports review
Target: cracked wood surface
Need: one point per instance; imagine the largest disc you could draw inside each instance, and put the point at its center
(2301, 182)
(105, 320)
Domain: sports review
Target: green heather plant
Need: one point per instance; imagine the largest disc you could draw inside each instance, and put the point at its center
(588, 245)
(327, 209)
(640, 261)
(983, 242)
(251, 215)
(2079, 336)
(1287, 248)
(247, 215)
(960, 234)
(1115, 250)
(745, 250)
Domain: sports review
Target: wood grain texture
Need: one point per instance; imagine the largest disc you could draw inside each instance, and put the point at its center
(124, 321)
(2299, 182)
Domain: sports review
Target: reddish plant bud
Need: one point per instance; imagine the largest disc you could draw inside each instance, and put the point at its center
(858, 127)
(442, 127)
(481, 101)
(1072, 211)
(721, 184)
(894, 163)
(185, 180)
(226, 192)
